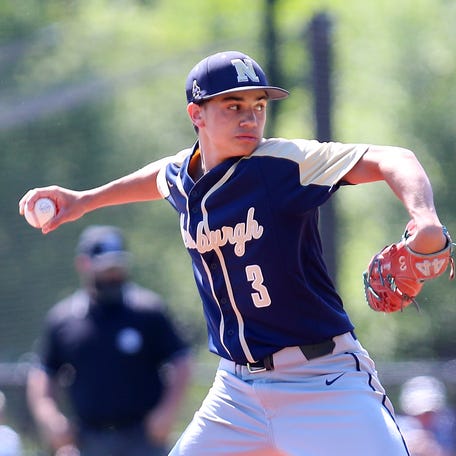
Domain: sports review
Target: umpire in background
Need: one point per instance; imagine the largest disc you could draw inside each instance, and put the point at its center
(115, 348)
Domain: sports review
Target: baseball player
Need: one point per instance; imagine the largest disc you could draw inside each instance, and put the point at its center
(293, 378)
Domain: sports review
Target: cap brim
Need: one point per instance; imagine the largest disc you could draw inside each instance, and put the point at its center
(274, 93)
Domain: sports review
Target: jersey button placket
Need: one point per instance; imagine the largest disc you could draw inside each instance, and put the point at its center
(193, 201)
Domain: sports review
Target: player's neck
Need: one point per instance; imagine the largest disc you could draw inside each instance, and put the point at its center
(201, 163)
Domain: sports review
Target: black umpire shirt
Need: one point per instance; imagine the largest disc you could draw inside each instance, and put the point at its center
(111, 355)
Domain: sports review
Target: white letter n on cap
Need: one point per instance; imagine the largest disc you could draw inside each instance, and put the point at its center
(245, 70)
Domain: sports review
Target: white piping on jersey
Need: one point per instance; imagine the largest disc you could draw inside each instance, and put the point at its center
(185, 232)
(222, 321)
(180, 187)
(217, 250)
(177, 159)
(185, 236)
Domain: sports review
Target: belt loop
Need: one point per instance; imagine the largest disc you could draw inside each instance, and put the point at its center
(269, 363)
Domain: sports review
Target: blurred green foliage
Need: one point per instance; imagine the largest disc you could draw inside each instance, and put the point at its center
(95, 89)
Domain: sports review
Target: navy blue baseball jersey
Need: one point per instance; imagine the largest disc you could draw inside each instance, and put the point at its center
(251, 227)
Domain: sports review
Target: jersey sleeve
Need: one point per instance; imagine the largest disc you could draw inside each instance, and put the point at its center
(178, 159)
(320, 163)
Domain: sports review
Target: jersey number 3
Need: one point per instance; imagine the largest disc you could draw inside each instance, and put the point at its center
(261, 296)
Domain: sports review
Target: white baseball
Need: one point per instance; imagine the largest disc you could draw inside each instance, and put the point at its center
(43, 211)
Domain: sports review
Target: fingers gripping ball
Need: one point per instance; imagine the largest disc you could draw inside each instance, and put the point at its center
(395, 275)
(43, 211)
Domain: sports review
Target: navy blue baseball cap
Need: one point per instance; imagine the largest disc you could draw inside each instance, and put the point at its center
(227, 72)
(105, 246)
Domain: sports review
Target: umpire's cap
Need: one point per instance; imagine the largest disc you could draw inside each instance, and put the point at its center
(105, 246)
(226, 72)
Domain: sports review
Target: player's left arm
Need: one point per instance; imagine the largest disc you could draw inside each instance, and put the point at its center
(406, 177)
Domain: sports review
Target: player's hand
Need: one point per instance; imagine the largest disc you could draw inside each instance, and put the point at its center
(425, 237)
(159, 424)
(69, 205)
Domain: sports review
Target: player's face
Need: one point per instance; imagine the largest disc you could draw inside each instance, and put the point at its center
(232, 124)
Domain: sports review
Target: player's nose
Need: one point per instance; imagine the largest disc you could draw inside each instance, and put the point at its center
(249, 118)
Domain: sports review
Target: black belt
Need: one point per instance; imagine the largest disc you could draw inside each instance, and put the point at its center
(310, 351)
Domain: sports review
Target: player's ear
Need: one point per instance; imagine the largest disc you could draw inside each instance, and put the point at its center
(195, 113)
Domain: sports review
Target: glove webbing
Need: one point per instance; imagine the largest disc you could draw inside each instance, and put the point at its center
(391, 284)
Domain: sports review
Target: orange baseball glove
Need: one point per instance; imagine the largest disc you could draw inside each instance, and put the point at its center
(395, 275)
